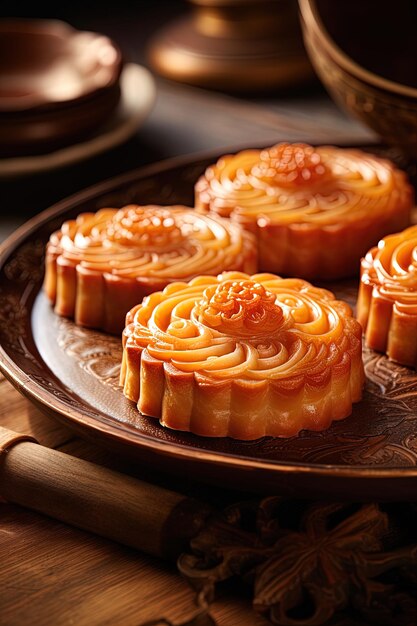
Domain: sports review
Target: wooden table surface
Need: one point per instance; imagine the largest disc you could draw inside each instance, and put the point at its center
(51, 573)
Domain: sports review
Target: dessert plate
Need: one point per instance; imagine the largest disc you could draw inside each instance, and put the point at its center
(72, 374)
(137, 98)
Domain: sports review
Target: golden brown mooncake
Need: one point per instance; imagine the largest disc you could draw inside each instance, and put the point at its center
(315, 211)
(101, 264)
(387, 303)
(243, 356)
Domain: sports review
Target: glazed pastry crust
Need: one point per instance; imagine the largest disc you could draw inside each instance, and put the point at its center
(243, 356)
(387, 303)
(101, 264)
(315, 211)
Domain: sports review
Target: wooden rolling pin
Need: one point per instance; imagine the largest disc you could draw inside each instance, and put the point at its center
(152, 519)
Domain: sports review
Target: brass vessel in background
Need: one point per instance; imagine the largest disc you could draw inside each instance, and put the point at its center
(377, 94)
(234, 45)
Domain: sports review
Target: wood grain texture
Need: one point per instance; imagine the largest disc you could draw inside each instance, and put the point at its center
(52, 573)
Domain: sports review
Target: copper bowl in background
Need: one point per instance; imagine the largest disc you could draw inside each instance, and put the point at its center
(380, 98)
(57, 84)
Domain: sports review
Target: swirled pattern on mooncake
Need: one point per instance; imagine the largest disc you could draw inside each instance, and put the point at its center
(243, 356)
(101, 264)
(387, 303)
(315, 211)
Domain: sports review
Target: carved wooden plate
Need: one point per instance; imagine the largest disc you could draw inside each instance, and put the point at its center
(72, 373)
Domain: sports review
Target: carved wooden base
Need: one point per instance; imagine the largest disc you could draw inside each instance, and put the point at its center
(313, 564)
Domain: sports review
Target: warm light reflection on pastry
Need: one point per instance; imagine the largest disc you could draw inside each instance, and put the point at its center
(243, 356)
(387, 303)
(315, 211)
(101, 264)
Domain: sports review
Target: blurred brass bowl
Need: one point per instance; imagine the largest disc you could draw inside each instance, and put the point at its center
(387, 107)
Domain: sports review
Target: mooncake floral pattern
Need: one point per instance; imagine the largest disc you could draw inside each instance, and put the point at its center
(244, 356)
(315, 211)
(387, 303)
(100, 264)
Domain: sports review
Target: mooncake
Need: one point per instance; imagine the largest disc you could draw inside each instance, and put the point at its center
(315, 211)
(242, 356)
(100, 264)
(387, 303)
